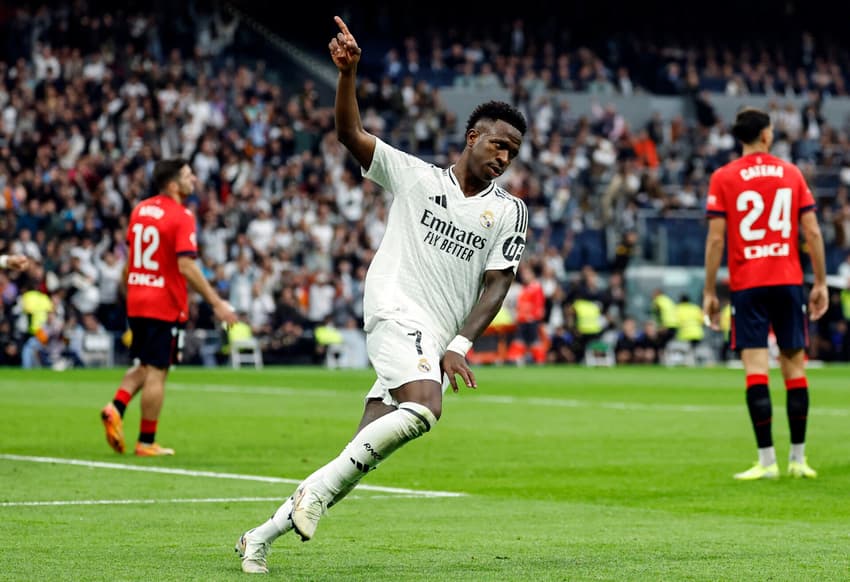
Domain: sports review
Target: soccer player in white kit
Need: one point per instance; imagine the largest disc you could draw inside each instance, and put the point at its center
(449, 254)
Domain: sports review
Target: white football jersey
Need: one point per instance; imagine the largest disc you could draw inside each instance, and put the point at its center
(438, 243)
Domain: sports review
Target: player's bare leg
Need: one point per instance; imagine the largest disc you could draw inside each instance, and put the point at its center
(153, 395)
(756, 366)
(134, 378)
(373, 410)
(793, 365)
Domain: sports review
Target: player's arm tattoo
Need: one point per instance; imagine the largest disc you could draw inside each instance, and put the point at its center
(496, 285)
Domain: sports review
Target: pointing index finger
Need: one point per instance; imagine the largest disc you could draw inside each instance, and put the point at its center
(342, 26)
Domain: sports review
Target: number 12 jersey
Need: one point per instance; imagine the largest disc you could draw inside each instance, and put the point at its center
(161, 230)
(762, 198)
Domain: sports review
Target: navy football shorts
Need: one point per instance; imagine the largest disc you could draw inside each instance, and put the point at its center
(756, 311)
(156, 343)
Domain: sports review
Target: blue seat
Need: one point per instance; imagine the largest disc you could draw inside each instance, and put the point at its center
(589, 248)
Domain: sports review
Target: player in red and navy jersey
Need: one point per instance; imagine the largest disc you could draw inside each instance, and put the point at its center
(163, 248)
(760, 204)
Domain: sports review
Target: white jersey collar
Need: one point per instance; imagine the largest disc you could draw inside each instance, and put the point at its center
(490, 187)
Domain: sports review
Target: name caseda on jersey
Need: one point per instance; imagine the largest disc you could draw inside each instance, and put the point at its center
(454, 239)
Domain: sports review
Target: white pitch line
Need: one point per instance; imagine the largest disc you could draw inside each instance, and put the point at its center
(62, 503)
(215, 475)
(134, 501)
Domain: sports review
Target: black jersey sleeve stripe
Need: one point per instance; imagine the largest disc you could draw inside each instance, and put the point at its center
(518, 215)
(522, 215)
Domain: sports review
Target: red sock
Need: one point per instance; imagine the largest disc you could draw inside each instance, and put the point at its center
(795, 383)
(756, 379)
(147, 432)
(121, 400)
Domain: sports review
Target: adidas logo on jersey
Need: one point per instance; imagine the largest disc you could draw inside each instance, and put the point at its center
(439, 199)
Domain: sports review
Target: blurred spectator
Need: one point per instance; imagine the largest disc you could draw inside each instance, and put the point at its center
(586, 313)
(10, 341)
(110, 310)
(562, 348)
(689, 318)
(665, 315)
(240, 284)
(614, 299)
(625, 250)
(36, 306)
(75, 338)
(625, 349)
(649, 344)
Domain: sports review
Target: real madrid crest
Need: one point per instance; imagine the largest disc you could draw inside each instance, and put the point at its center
(424, 366)
(487, 219)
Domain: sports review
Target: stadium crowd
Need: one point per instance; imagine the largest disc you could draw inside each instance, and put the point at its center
(287, 227)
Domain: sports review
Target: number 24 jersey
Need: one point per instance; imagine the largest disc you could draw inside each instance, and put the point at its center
(762, 198)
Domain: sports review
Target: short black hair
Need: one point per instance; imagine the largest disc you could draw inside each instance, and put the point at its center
(498, 110)
(165, 171)
(749, 124)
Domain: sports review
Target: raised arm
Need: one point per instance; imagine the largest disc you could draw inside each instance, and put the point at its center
(349, 127)
(496, 286)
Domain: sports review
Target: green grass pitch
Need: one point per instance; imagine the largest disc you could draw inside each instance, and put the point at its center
(540, 474)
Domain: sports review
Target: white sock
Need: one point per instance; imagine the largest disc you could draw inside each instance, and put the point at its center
(374, 443)
(767, 456)
(798, 453)
(277, 525)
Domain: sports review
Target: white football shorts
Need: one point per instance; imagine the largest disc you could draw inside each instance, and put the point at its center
(401, 353)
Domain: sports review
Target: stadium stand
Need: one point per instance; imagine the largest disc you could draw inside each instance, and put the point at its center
(625, 131)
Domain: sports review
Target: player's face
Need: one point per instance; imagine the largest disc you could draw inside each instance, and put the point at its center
(496, 145)
(186, 181)
(768, 136)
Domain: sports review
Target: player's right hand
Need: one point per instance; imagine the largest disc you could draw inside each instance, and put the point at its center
(711, 310)
(818, 302)
(344, 50)
(224, 312)
(455, 364)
